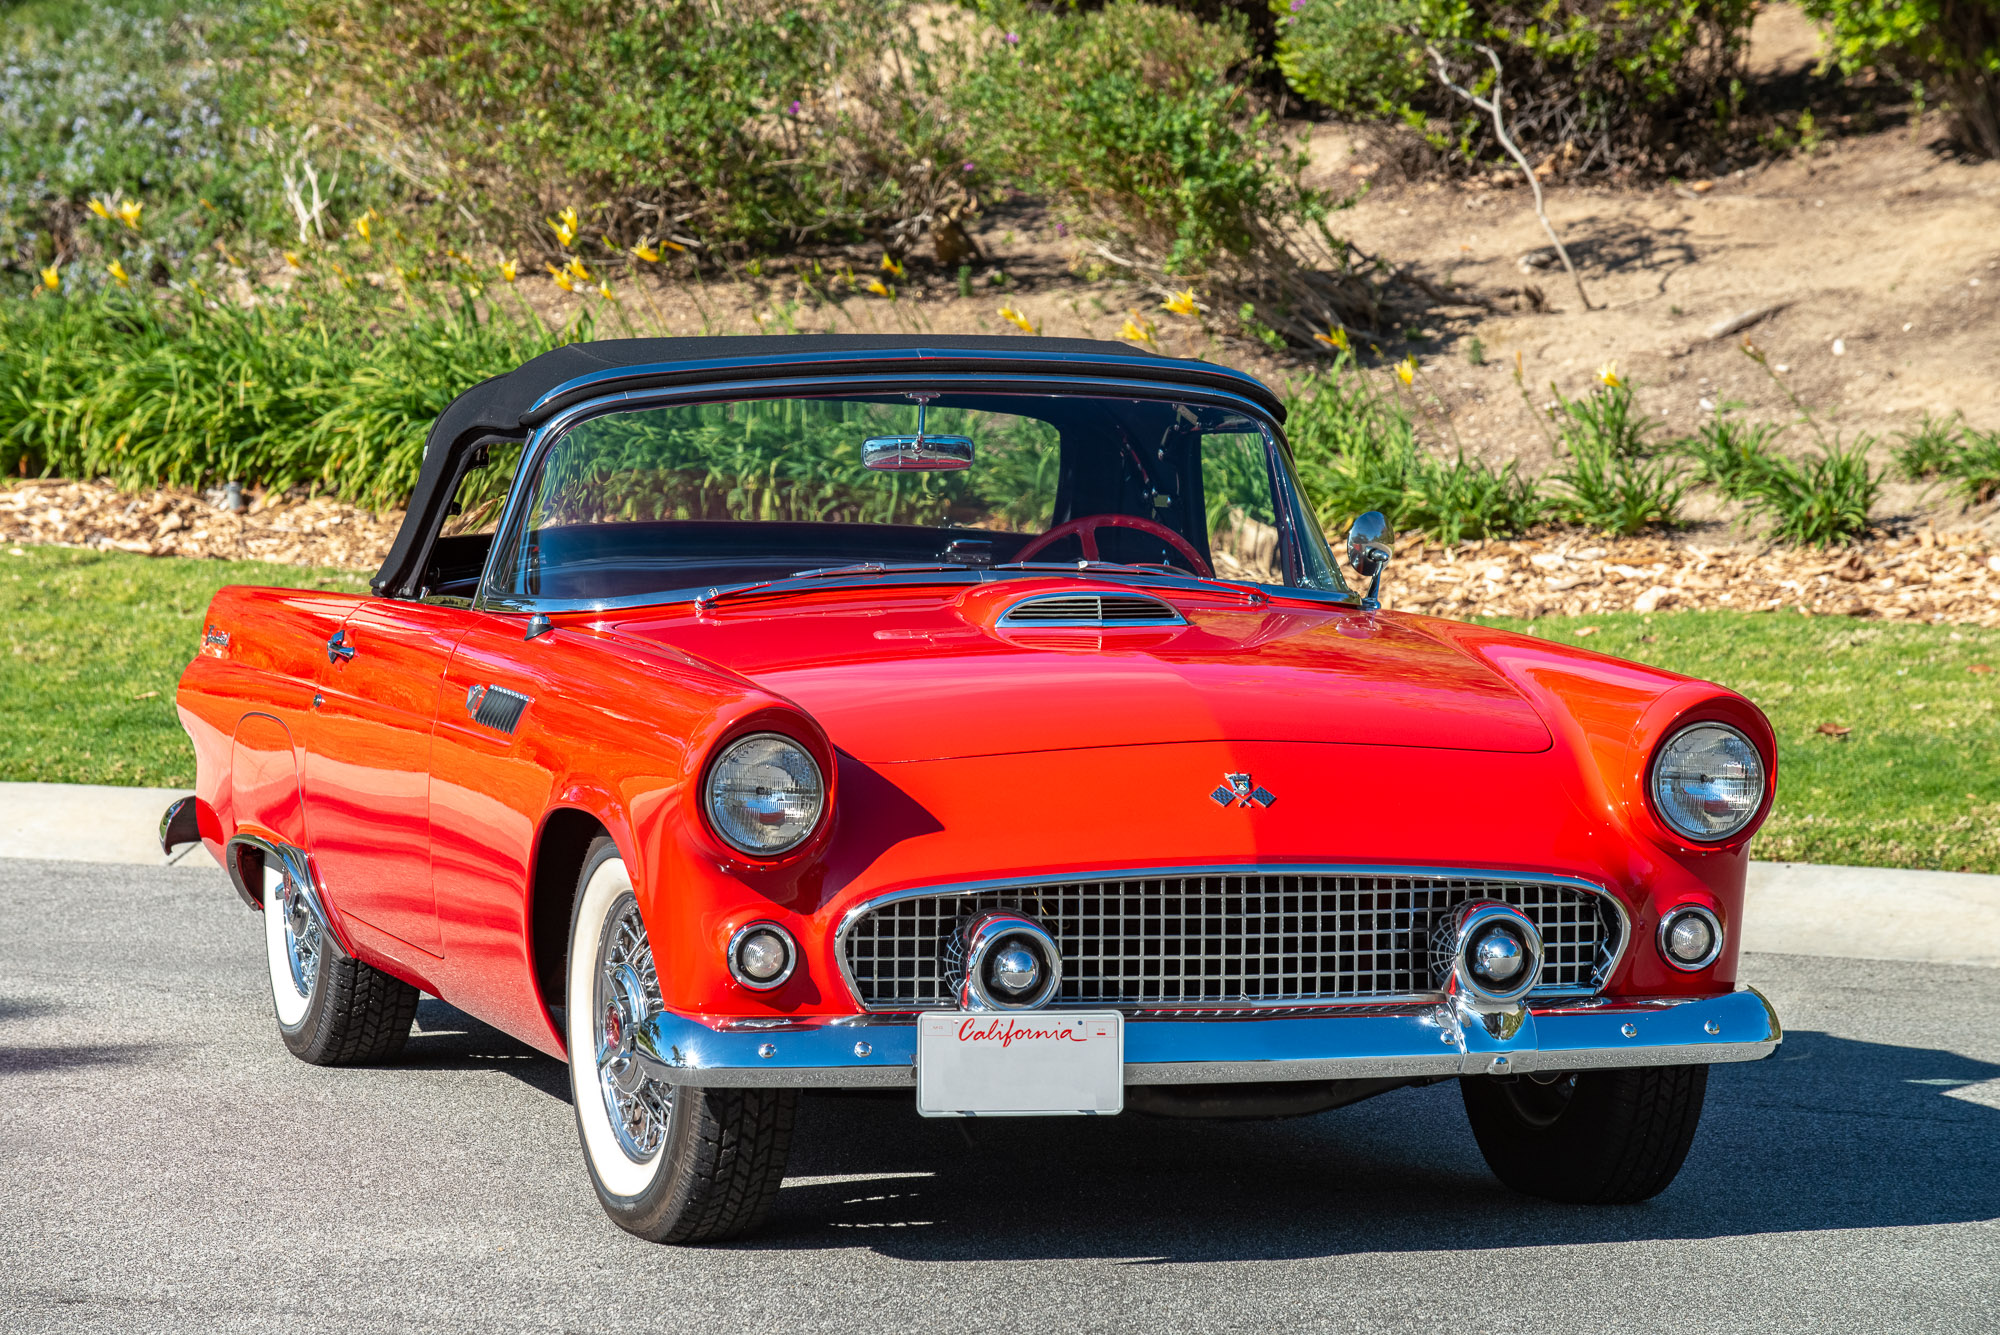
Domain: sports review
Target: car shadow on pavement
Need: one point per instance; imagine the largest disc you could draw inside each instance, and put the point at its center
(1829, 1134)
(445, 1038)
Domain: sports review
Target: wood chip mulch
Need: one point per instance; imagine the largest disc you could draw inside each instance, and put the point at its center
(1928, 576)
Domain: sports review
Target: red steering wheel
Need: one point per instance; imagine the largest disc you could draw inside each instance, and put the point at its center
(1086, 528)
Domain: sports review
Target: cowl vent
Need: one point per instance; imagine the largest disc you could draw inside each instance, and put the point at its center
(1095, 610)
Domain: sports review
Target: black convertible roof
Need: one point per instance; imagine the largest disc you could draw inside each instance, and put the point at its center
(510, 406)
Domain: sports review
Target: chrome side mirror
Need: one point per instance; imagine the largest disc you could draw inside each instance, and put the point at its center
(1370, 544)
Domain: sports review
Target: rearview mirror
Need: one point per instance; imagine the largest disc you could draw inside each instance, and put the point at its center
(916, 454)
(1370, 544)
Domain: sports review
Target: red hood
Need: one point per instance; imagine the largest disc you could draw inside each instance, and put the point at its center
(921, 674)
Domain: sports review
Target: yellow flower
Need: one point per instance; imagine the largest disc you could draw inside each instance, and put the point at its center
(128, 213)
(1335, 337)
(1406, 369)
(1180, 303)
(645, 251)
(673, 246)
(561, 277)
(52, 277)
(579, 270)
(875, 286)
(890, 266)
(292, 258)
(1608, 376)
(565, 225)
(509, 270)
(361, 227)
(119, 276)
(604, 290)
(1136, 330)
(1018, 320)
(97, 207)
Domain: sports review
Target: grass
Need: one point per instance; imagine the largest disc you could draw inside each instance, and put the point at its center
(94, 643)
(91, 647)
(1910, 784)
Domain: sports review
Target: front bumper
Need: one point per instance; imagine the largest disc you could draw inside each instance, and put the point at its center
(1360, 1044)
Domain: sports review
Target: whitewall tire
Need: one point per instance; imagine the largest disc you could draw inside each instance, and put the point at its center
(332, 1009)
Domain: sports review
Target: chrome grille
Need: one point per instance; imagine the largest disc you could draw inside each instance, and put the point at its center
(1091, 609)
(1222, 941)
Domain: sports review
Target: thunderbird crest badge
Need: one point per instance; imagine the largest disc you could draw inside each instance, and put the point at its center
(1238, 791)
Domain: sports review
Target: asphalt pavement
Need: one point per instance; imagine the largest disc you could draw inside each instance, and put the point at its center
(166, 1165)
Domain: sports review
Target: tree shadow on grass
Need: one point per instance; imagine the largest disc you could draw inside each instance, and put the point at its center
(1829, 1134)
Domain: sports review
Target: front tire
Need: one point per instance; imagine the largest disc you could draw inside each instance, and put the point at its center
(670, 1163)
(1589, 1137)
(332, 1009)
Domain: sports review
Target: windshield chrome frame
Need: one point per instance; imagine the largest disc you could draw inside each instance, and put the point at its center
(490, 598)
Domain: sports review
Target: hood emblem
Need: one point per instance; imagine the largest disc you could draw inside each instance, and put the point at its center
(1237, 790)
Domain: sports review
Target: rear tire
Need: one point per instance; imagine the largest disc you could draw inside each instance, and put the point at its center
(1589, 1138)
(332, 1009)
(670, 1163)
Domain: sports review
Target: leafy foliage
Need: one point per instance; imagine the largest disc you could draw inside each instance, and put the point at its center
(1949, 46)
(1611, 82)
(1613, 479)
(1817, 501)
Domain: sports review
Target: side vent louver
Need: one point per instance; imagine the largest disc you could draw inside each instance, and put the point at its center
(1096, 610)
(495, 707)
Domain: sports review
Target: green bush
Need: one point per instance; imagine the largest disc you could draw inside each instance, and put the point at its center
(1731, 456)
(178, 389)
(1613, 478)
(1947, 47)
(1818, 501)
(1974, 467)
(1357, 450)
(1926, 452)
(749, 123)
(1608, 83)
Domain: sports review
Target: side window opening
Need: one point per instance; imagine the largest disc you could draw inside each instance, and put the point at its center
(471, 519)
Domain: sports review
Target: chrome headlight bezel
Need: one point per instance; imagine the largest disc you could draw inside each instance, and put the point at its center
(1663, 810)
(712, 795)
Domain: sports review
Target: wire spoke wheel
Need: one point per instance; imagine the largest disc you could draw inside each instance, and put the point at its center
(305, 938)
(627, 995)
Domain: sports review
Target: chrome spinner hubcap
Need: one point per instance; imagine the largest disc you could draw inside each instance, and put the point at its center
(305, 938)
(627, 994)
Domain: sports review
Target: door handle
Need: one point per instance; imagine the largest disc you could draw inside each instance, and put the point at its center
(337, 648)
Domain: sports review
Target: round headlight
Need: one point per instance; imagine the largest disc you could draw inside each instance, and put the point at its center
(764, 794)
(1708, 781)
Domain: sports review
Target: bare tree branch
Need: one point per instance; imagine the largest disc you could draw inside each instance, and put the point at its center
(1492, 107)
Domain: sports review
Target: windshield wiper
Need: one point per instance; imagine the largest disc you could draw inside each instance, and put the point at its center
(719, 594)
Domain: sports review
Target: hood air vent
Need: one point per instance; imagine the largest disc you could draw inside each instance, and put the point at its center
(1095, 610)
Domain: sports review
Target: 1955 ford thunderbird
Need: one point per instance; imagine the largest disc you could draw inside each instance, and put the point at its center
(981, 718)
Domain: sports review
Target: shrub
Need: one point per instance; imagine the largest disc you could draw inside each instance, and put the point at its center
(334, 393)
(1132, 120)
(1925, 452)
(1607, 83)
(1612, 479)
(1974, 467)
(1731, 456)
(1818, 501)
(1949, 47)
(1357, 450)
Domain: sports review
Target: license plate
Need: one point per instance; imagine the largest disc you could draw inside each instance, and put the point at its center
(1034, 1064)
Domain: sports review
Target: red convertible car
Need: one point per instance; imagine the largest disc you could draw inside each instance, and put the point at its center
(985, 719)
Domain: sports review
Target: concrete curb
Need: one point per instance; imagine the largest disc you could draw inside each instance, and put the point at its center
(1793, 908)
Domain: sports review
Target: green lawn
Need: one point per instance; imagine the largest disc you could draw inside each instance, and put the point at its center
(91, 644)
(94, 642)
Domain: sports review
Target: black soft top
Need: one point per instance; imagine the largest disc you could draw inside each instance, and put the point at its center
(512, 405)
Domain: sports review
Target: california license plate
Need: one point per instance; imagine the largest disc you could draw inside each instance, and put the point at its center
(1031, 1064)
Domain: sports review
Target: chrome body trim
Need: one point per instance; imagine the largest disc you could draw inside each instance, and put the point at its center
(180, 824)
(855, 911)
(293, 865)
(1412, 1043)
(1088, 612)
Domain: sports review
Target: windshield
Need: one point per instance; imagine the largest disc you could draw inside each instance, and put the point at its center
(678, 499)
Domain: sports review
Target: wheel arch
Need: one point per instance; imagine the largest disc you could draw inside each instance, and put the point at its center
(560, 846)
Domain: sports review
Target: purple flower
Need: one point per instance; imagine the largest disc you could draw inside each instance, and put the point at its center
(1297, 5)
(1012, 39)
(795, 108)
(967, 166)
(1061, 230)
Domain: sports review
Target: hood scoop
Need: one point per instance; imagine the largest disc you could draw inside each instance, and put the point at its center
(1096, 611)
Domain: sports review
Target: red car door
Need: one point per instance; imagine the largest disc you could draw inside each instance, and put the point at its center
(368, 765)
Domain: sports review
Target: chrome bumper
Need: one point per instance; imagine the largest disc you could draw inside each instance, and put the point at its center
(1415, 1042)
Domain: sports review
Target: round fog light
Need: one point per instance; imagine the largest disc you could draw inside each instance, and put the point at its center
(761, 956)
(1690, 937)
